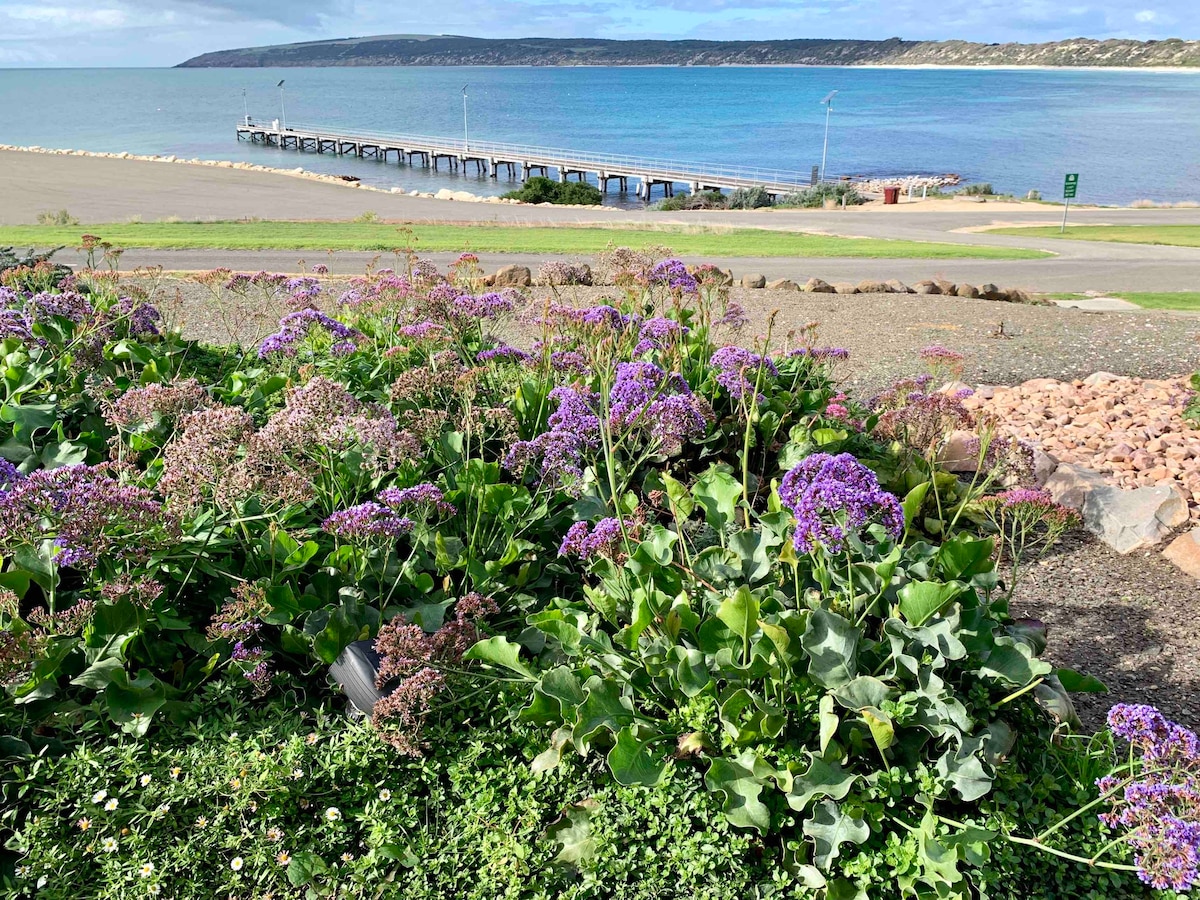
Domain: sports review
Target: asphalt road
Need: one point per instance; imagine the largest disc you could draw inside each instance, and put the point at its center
(98, 190)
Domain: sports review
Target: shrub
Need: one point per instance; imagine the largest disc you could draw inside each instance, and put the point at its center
(1192, 413)
(816, 196)
(749, 198)
(61, 217)
(545, 190)
(699, 200)
(1034, 195)
(983, 189)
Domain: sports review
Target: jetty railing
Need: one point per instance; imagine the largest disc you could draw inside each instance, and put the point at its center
(490, 157)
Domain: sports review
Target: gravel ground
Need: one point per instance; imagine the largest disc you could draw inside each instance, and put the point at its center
(1129, 620)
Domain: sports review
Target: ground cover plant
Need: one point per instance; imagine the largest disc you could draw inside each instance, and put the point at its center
(655, 605)
(545, 190)
(497, 238)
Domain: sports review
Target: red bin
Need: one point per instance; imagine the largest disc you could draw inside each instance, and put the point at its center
(891, 195)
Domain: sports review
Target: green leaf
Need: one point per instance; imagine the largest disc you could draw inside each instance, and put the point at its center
(690, 670)
(831, 643)
(132, 704)
(882, 729)
(1012, 661)
(573, 833)
(829, 828)
(740, 781)
(920, 601)
(679, 496)
(631, 763)
(99, 674)
(913, 501)
(823, 779)
(740, 615)
(603, 709)
(304, 867)
(1077, 683)
(964, 556)
(499, 651)
(863, 691)
(63, 453)
(717, 492)
(829, 721)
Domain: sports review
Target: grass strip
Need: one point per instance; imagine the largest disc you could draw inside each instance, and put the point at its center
(1173, 235)
(372, 236)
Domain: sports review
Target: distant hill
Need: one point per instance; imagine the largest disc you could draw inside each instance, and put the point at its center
(453, 50)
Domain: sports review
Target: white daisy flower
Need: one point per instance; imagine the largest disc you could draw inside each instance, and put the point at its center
(144, 780)
(99, 796)
(111, 804)
(109, 844)
(283, 857)
(385, 795)
(146, 870)
(333, 814)
(236, 864)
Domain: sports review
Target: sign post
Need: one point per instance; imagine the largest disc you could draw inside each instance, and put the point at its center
(1070, 186)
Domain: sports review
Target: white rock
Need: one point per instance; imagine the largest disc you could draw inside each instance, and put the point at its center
(1126, 520)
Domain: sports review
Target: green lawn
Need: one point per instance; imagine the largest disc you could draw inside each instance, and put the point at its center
(1186, 301)
(1177, 235)
(492, 238)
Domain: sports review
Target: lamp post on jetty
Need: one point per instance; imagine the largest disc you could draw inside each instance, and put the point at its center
(466, 143)
(828, 101)
(282, 114)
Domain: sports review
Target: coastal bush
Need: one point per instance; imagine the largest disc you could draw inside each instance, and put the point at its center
(60, 217)
(749, 198)
(680, 567)
(816, 196)
(698, 200)
(545, 190)
(1192, 413)
(983, 189)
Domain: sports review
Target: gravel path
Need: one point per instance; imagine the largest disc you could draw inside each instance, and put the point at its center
(1130, 620)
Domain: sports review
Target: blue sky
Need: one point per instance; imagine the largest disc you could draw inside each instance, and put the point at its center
(164, 32)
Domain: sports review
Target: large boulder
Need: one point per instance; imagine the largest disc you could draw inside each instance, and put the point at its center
(782, 284)
(817, 286)
(845, 287)
(1126, 520)
(513, 276)
(899, 287)
(990, 291)
(927, 287)
(1184, 551)
(946, 287)
(966, 290)
(873, 287)
(754, 280)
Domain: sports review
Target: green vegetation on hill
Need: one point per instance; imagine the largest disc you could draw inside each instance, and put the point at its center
(494, 239)
(456, 50)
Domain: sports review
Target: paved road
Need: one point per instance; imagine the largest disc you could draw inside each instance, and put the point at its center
(100, 190)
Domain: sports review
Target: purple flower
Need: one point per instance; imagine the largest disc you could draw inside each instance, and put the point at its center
(142, 319)
(662, 406)
(574, 432)
(424, 331)
(429, 495)
(67, 305)
(367, 521)
(296, 327)
(820, 354)
(604, 539)
(674, 274)
(14, 324)
(603, 315)
(738, 369)
(503, 353)
(833, 497)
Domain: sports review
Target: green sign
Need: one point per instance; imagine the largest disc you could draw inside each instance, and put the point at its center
(1070, 185)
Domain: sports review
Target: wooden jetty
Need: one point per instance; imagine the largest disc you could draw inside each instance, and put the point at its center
(519, 161)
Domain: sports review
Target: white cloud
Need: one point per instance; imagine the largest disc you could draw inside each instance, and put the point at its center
(1146, 15)
(66, 17)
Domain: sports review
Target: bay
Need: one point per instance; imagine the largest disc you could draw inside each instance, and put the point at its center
(1130, 134)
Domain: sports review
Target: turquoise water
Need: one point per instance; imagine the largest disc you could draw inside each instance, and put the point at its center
(1130, 135)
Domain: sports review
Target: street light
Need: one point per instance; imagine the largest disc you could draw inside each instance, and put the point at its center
(282, 114)
(466, 143)
(828, 101)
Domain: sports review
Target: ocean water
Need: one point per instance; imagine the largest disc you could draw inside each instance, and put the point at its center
(1129, 134)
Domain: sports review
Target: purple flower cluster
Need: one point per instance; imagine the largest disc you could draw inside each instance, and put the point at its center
(368, 521)
(296, 327)
(91, 515)
(15, 324)
(604, 539)
(303, 291)
(141, 319)
(658, 334)
(483, 306)
(68, 305)
(738, 369)
(503, 353)
(674, 274)
(661, 406)
(420, 495)
(424, 331)
(574, 432)
(833, 497)
(1160, 809)
(821, 354)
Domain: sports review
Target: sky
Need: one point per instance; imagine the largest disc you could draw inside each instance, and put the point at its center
(165, 32)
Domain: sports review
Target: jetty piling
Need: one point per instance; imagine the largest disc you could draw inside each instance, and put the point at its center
(489, 157)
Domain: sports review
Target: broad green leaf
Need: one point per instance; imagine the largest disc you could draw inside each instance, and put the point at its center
(829, 828)
(922, 600)
(882, 729)
(740, 781)
(823, 779)
(690, 670)
(913, 501)
(1012, 661)
(740, 615)
(863, 691)
(133, 703)
(603, 709)
(573, 833)
(717, 492)
(499, 651)
(679, 496)
(1077, 683)
(98, 675)
(631, 762)
(964, 556)
(304, 867)
(829, 721)
(831, 643)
